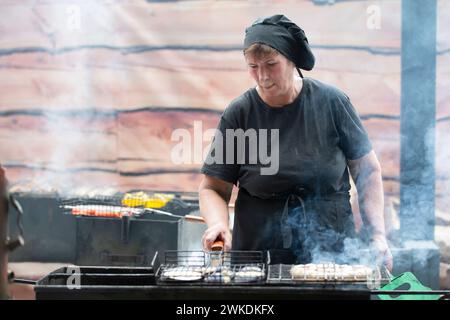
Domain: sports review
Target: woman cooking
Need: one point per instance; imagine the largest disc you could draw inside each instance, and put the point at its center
(318, 140)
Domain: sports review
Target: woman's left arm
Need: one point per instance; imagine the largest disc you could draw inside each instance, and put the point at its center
(366, 172)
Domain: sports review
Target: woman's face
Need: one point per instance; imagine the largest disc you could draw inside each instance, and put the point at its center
(273, 73)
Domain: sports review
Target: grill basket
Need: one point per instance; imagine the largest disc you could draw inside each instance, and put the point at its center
(128, 204)
(329, 276)
(203, 268)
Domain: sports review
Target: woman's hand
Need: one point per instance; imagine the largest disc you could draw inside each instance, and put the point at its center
(217, 232)
(366, 172)
(382, 251)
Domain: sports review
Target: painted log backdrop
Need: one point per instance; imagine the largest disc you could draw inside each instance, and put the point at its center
(91, 91)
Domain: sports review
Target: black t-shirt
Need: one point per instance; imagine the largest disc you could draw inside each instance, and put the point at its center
(314, 137)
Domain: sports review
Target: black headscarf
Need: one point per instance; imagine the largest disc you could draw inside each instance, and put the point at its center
(282, 34)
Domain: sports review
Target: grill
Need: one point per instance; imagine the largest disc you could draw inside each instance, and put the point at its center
(127, 229)
(142, 283)
(195, 275)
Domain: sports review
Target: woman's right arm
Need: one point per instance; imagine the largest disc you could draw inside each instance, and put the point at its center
(214, 195)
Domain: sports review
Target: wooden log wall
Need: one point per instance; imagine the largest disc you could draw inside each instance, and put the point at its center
(91, 91)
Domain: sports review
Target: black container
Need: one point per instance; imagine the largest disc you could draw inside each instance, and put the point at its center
(49, 235)
(54, 236)
(77, 282)
(126, 241)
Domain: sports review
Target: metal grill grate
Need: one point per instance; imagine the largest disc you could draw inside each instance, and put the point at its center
(129, 204)
(101, 206)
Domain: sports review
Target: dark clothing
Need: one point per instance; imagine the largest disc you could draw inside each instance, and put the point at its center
(305, 205)
(285, 36)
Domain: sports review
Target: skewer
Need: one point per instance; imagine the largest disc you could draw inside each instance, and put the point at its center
(188, 217)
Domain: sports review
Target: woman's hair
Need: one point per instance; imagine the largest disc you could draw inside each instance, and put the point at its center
(260, 50)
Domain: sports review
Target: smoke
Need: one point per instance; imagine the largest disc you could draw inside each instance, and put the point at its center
(317, 240)
(354, 251)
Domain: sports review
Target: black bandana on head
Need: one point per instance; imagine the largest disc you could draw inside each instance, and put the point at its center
(283, 35)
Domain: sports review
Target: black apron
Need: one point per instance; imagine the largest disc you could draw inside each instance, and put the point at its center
(293, 225)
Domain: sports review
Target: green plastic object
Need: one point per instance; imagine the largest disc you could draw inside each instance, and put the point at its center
(407, 281)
